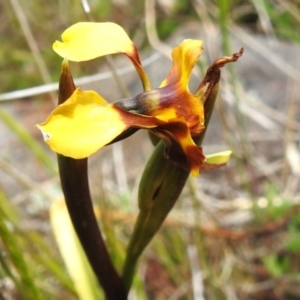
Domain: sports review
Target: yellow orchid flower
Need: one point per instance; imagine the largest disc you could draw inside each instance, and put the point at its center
(88, 40)
(86, 122)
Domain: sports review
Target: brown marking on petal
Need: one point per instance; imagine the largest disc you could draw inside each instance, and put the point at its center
(192, 120)
(167, 103)
(209, 167)
(137, 120)
(134, 122)
(135, 59)
(194, 125)
(124, 135)
(173, 150)
(195, 157)
(133, 55)
(175, 96)
(136, 56)
(155, 101)
(191, 157)
(147, 102)
(144, 103)
(178, 129)
(180, 149)
(181, 101)
(171, 95)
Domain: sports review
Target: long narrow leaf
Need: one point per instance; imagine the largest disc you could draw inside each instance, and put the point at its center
(25, 281)
(77, 264)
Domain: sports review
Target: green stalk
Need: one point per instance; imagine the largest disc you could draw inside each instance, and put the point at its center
(162, 181)
(161, 193)
(78, 267)
(75, 186)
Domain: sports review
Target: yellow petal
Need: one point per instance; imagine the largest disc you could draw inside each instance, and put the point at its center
(184, 59)
(216, 160)
(86, 122)
(72, 253)
(88, 40)
(82, 125)
(175, 100)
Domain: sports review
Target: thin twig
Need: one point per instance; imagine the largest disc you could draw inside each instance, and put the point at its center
(24, 180)
(47, 88)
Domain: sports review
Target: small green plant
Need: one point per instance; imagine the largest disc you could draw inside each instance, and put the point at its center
(293, 241)
(276, 265)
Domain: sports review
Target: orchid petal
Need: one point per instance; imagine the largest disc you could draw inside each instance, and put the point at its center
(88, 40)
(86, 122)
(168, 103)
(181, 149)
(175, 100)
(185, 57)
(216, 160)
(79, 127)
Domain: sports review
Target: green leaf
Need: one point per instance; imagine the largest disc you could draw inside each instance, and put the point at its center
(275, 266)
(73, 255)
(25, 283)
(160, 187)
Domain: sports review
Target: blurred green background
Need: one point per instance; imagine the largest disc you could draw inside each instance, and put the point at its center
(235, 232)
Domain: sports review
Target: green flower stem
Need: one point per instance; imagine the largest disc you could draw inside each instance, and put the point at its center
(74, 181)
(162, 181)
(160, 186)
